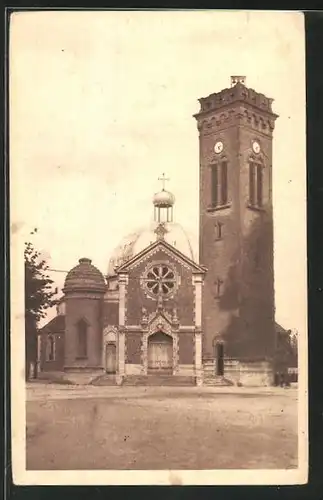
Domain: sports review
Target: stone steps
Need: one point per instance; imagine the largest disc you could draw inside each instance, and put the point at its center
(80, 378)
(159, 380)
(216, 381)
(104, 380)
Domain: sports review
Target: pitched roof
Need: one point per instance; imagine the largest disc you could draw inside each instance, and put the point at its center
(162, 243)
(55, 325)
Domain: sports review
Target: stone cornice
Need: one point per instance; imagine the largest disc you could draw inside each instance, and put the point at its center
(237, 94)
(181, 329)
(241, 115)
(154, 248)
(77, 294)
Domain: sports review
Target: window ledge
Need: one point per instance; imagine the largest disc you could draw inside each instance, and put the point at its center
(256, 208)
(218, 207)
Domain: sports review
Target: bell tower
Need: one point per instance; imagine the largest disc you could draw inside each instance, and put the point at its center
(236, 222)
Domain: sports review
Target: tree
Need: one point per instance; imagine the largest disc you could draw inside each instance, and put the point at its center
(286, 349)
(39, 296)
(293, 341)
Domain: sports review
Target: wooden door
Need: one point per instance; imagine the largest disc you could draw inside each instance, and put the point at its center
(160, 353)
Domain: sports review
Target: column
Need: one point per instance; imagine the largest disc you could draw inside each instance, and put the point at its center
(123, 279)
(122, 298)
(198, 282)
(198, 358)
(121, 354)
(144, 354)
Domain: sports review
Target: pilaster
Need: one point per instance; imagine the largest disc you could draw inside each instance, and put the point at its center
(198, 358)
(123, 281)
(198, 283)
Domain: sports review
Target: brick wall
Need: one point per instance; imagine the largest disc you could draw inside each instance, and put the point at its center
(186, 348)
(218, 255)
(183, 299)
(110, 313)
(133, 348)
(91, 310)
(243, 313)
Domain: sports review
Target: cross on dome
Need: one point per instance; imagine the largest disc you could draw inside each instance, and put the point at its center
(160, 231)
(163, 199)
(163, 179)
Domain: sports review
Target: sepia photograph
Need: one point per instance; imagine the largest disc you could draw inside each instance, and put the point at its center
(158, 247)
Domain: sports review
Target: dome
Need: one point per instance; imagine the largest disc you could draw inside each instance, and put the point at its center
(135, 242)
(164, 199)
(84, 277)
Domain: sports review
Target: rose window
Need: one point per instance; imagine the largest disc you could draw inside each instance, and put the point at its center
(160, 279)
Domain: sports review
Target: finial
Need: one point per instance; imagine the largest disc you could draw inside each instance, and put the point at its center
(85, 260)
(160, 231)
(163, 179)
(237, 79)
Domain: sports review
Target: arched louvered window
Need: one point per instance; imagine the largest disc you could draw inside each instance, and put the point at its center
(255, 184)
(219, 184)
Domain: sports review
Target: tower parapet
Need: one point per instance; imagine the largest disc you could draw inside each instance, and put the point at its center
(236, 103)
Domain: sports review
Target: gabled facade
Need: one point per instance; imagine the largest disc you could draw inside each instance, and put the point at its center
(160, 313)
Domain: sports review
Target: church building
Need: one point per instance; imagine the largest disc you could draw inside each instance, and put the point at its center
(158, 315)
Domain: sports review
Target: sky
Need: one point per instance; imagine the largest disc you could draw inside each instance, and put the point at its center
(101, 104)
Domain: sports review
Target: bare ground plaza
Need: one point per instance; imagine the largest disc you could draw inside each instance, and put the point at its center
(75, 427)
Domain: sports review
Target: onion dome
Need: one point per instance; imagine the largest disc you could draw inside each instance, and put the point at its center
(84, 278)
(164, 199)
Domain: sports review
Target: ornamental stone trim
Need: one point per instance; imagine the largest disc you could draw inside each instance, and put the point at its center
(166, 251)
(110, 334)
(159, 324)
(239, 94)
(143, 278)
(244, 117)
(83, 295)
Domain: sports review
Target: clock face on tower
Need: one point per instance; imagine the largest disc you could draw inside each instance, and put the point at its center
(218, 148)
(256, 147)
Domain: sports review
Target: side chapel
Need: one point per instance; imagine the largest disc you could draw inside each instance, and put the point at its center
(160, 314)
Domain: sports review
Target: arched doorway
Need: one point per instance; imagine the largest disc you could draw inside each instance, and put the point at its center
(110, 357)
(160, 353)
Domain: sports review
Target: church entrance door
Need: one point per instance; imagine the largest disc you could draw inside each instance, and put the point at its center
(160, 353)
(110, 358)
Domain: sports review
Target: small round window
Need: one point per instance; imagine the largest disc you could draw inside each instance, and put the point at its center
(160, 279)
